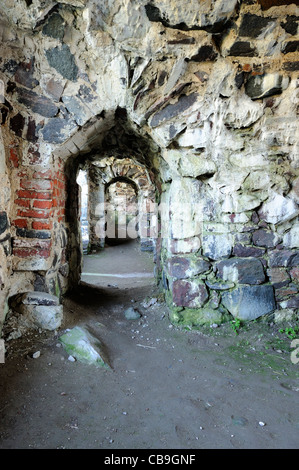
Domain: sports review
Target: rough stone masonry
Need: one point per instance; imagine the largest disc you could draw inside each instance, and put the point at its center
(203, 96)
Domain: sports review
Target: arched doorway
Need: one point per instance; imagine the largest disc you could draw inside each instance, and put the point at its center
(121, 199)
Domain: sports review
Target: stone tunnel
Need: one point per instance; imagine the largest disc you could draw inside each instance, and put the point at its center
(195, 106)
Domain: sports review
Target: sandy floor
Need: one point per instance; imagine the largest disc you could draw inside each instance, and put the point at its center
(168, 388)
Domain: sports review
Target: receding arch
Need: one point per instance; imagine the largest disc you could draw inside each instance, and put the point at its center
(122, 179)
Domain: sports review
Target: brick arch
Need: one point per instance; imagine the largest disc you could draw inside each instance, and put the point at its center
(122, 179)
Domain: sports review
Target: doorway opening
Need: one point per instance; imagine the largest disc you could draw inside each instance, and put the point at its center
(116, 223)
(121, 199)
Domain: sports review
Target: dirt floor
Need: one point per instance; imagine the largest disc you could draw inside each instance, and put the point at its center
(167, 388)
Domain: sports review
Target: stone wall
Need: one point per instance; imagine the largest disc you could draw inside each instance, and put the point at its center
(203, 95)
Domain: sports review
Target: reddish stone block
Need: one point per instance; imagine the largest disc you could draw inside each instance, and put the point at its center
(278, 277)
(24, 248)
(36, 225)
(42, 204)
(23, 193)
(177, 267)
(23, 202)
(189, 293)
(246, 251)
(264, 238)
(31, 252)
(31, 213)
(20, 223)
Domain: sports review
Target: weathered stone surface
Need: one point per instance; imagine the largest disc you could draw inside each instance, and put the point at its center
(264, 238)
(294, 273)
(179, 17)
(39, 298)
(242, 49)
(54, 27)
(291, 66)
(43, 316)
(188, 245)
(283, 315)
(294, 193)
(132, 314)
(244, 251)
(249, 302)
(43, 234)
(173, 110)
(253, 25)
(178, 70)
(241, 271)
(198, 317)
(3, 222)
(32, 131)
(278, 277)
(39, 310)
(57, 130)
(24, 74)
(205, 53)
(217, 245)
(38, 103)
(291, 238)
(290, 303)
(196, 138)
(290, 24)
(240, 202)
(283, 293)
(62, 60)
(283, 258)
(54, 89)
(260, 86)
(185, 267)
(196, 165)
(85, 347)
(186, 206)
(278, 209)
(220, 285)
(189, 293)
(76, 108)
(291, 46)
